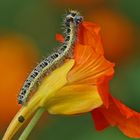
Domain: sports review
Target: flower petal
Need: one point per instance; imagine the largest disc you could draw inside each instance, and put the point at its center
(74, 99)
(89, 66)
(103, 88)
(89, 34)
(117, 114)
(99, 120)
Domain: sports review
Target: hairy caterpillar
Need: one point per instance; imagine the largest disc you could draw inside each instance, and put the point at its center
(71, 22)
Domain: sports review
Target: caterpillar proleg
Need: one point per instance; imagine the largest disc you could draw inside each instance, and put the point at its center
(71, 23)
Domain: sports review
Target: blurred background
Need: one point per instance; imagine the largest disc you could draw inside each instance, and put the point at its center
(27, 33)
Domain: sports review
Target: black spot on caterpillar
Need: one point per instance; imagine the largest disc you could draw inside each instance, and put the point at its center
(71, 22)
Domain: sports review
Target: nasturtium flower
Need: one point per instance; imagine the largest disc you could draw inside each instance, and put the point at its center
(81, 85)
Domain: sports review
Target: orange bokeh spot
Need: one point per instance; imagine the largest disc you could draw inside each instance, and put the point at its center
(17, 56)
(117, 33)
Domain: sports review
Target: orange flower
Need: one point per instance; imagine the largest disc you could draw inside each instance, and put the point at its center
(112, 112)
(81, 85)
(92, 68)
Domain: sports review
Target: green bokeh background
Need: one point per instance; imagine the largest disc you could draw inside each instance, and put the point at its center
(40, 20)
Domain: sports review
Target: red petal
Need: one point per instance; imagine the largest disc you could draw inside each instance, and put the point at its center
(89, 34)
(103, 88)
(117, 114)
(59, 38)
(99, 120)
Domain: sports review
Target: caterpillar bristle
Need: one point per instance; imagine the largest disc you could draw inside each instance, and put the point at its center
(48, 64)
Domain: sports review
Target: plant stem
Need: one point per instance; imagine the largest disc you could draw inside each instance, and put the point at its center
(32, 124)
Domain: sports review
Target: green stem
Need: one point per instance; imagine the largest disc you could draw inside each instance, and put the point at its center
(32, 124)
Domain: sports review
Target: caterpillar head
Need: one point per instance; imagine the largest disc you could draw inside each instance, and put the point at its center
(73, 17)
(78, 19)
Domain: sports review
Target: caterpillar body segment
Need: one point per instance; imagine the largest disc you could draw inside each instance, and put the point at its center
(71, 24)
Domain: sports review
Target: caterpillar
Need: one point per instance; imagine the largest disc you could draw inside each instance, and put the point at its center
(71, 23)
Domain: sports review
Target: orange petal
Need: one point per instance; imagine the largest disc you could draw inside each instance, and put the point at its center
(127, 120)
(89, 34)
(90, 66)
